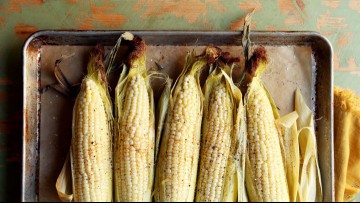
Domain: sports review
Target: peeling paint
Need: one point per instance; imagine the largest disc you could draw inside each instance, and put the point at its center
(293, 15)
(16, 5)
(72, 1)
(24, 31)
(344, 39)
(355, 5)
(239, 24)
(218, 6)
(331, 3)
(248, 7)
(327, 21)
(270, 28)
(351, 64)
(2, 22)
(300, 4)
(104, 15)
(190, 10)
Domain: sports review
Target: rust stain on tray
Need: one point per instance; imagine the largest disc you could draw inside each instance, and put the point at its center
(16, 5)
(24, 31)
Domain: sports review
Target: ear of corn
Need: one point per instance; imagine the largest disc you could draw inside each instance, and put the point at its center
(265, 171)
(91, 145)
(216, 139)
(176, 170)
(221, 149)
(135, 131)
(310, 188)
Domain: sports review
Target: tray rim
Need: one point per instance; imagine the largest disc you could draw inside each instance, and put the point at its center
(40, 33)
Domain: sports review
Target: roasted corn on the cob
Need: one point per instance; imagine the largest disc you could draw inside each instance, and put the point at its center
(91, 144)
(135, 132)
(265, 172)
(220, 147)
(179, 152)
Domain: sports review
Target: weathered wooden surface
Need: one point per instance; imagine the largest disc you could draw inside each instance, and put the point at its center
(339, 20)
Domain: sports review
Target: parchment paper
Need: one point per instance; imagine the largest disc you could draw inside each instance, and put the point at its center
(290, 67)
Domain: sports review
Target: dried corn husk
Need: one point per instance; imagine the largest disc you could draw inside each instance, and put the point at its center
(161, 111)
(290, 148)
(237, 157)
(310, 188)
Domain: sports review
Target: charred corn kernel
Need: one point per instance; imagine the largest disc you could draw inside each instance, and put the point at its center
(179, 152)
(216, 141)
(134, 147)
(91, 144)
(265, 172)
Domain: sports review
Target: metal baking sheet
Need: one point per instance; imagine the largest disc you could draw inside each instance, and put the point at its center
(298, 59)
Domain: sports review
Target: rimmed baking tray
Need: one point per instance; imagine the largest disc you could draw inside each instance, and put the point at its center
(298, 59)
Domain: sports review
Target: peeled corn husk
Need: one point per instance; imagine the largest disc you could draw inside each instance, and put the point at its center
(167, 187)
(310, 187)
(161, 111)
(290, 149)
(134, 171)
(235, 175)
(99, 151)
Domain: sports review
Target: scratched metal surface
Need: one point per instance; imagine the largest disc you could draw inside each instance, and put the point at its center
(300, 59)
(336, 19)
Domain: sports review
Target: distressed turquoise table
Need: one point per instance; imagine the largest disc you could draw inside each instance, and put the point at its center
(338, 20)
